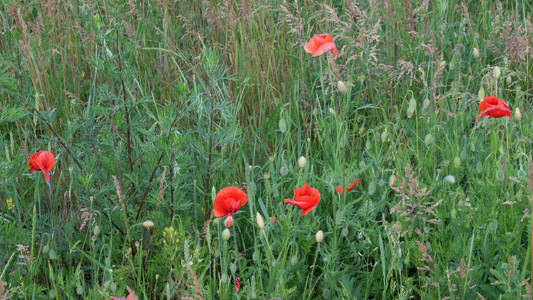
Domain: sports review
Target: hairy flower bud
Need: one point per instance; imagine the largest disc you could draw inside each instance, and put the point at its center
(450, 179)
(319, 236)
(260, 221)
(302, 161)
(226, 234)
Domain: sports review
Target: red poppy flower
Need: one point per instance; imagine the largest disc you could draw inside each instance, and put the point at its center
(352, 184)
(273, 219)
(320, 44)
(237, 285)
(305, 198)
(494, 107)
(228, 201)
(339, 189)
(42, 160)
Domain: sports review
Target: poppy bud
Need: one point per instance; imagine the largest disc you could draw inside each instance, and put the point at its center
(332, 111)
(282, 125)
(412, 107)
(384, 135)
(342, 87)
(481, 94)
(392, 180)
(294, 259)
(260, 221)
(425, 104)
(496, 72)
(226, 234)
(517, 114)
(429, 139)
(96, 230)
(475, 52)
(319, 236)
(457, 162)
(302, 161)
(228, 221)
(283, 171)
(450, 179)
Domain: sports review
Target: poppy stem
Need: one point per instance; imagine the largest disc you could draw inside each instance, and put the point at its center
(312, 270)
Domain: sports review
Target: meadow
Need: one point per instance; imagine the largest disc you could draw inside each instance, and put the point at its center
(151, 110)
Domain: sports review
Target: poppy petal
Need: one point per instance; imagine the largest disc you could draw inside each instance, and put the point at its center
(325, 48)
(339, 189)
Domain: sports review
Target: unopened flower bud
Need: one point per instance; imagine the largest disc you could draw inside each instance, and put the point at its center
(517, 114)
(449, 179)
(412, 107)
(283, 171)
(228, 221)
(282, 125)
(457, 162)
(260, 221)
(302, 161)
(332, 111)
(425, 104)
(481, 94)
(294, 260)
(429, 139)
(392, 180)
(319, 236)
(226, 234)
(342, 87)
(384, 135)
(96, 230)
(475, 52)
(496, 72)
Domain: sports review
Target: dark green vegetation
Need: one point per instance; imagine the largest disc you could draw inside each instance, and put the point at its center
(156, 105)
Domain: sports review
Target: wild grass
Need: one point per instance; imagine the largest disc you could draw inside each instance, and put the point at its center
(151, 107)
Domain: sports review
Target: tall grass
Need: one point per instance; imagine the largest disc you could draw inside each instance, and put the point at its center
(151, 107)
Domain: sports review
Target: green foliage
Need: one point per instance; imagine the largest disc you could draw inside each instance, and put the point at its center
(152, 107)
